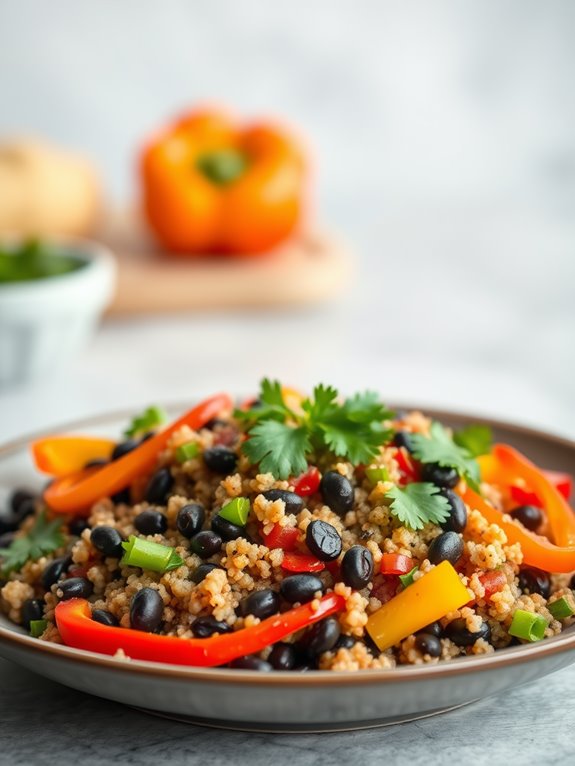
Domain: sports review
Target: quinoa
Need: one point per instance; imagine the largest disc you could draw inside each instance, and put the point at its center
(247, 563)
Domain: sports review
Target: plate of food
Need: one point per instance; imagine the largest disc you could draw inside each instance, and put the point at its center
(288, 563)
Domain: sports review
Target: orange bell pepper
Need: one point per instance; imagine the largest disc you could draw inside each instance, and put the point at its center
(76, 493)
(537, 551)
(210, 186)
(431, 597)
(510, 464)
(63, 455)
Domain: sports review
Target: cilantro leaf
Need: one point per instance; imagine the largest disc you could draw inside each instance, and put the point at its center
(278, 448)
(417, 504)
(440, 448)
(270, 404)
(475, 438)
(43, 538)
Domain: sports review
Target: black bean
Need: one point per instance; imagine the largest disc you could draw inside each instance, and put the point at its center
(107, 540)
(77, 526)
(105, 618)
(159, 487)
(447, 547)
(458, 633)
(283, 656)
(75, 587)
(572, 582)
(532, 580)
(19, 497)
(32, 609)
(200, 572)
(345, 642)
(441, 476)
(123, 497)
(204, 627)
(457, 518)
(293, 503)
(372, 647)
(54, 571)
(251, 662)
(190, 519)
(146, 610)
(260, 603)
(220, 459)
(206, 544)
(122, 448)
(322, 636)
(150, 522)
(337, 492)
(403, 439)
(529, 515)
(6, 539)
(300, 587)
(434, 628)
(146, 436)
(323, 540)
(226, 529)
(214, 422)
(427, 643)
(357, 567)
(98, 462)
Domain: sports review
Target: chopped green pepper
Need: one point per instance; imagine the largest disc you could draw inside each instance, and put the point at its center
(375, 474)
(527, 625)
(149, 555)
(236, 511)
(187, 451)
(37, 627)
(407, 579)
(561, 609)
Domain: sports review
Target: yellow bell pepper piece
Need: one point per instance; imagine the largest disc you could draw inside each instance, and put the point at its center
(63, 455)
(431, 597)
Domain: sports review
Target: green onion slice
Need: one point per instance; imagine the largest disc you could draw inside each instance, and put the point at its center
(561, 609)
(37, 627)
(528, 626)
(187, 451)
(380, 473)
(149, 555)
(236, 511)
(150, 418)
(407, 579)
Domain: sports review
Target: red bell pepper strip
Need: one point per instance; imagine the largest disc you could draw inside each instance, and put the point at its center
(302, 562)
(561, 517)
(307, 483)
(396, 564)
(79, 630)
(522, 496)
(407, 468)
(562, 482)
(537, 551)
(282, 537)
(76, 493)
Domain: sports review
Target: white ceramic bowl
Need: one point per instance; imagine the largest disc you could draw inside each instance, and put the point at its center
(44, 321)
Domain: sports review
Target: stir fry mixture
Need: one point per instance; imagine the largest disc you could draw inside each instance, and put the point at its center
(290, 533)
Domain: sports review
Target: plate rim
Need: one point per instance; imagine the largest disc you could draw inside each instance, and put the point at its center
(459, 666)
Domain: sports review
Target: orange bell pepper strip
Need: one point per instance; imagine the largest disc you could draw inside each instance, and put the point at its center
(76, 494)
(537, 551)
(514, 465)
(79, 630)
(63, 455)
(211, 186)
(428, 599)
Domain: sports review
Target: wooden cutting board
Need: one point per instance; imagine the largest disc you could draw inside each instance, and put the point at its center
(308, 269)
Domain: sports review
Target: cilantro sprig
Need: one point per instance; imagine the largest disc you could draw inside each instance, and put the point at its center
(43, 538)
(439, 447)
(281, 438)
(418, 504)
(475, 438)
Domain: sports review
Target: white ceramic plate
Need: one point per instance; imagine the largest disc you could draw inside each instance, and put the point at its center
(312, 701)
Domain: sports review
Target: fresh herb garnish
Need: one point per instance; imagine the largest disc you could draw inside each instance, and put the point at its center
(281, 438)
(407, 579)
(476, 439)
(440, 448)
(44, 537)
(418, 504)
(34, 260)
(150, 418)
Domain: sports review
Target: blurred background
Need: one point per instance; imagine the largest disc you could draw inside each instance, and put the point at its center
(443, 144)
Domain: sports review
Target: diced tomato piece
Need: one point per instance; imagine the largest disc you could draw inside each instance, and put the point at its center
(334, 569)
(492, 582)
(385, 588)
(282, 537)
(308, 482)
(396, 564)
(77, 570)
(523, 496)
(302, 562)
(562, 481)
(407, 466)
